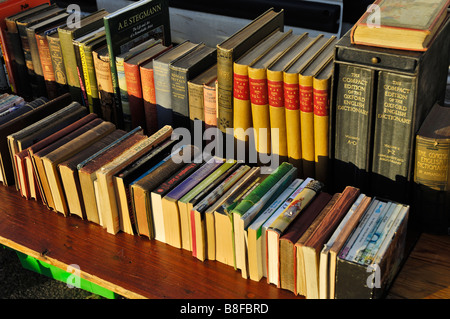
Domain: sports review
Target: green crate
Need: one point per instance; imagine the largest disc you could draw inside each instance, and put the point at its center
(56, 273)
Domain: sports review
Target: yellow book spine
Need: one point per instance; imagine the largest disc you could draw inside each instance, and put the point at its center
(241, 99)
(321, 126)
(307, 123)
(260, 109)
(292, 109)
(277, 113)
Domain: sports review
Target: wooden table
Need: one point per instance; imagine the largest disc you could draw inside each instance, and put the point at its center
(137, 267)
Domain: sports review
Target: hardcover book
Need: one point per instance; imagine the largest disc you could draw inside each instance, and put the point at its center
(409, 25)
(34, 114)
(70, 178)
(233, 48)
(15, 54)
(432, 172)
(131, 25)
(66, 34)
(42, 184)
(161, 74)
(134, 84)
(110, 213)
(88, 168)
(141, 188)
(183, 70)
(124, 100)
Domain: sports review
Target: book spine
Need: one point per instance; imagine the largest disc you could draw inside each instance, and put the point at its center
(135, 101)
(210, 103)
(10, 77)
(307, 123)
(47, 67)
(80, 73)
(292, 111)
(321, 106)
(70, 64)
(18, 63)
(124, 100)
(105, 87)
(353, 143)
(260, 109)
(36, 63)
(242, 109)
(179, 96)
(393, 135)
(90, 79)
(196, 102)
(275, 95)
(149, 99)
(225, 89)
(57, 60)
(27, 59)
(161, 74)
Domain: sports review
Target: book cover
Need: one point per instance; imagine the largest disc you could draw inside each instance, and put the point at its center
(36, 157)
(257, 76)
(88, 168)
(19, 122)
(69, 174)
(163, 189)
(66, 35)
(291, 235)
(141, 188)
(181, 72)
(42, 183)
(122, 81)
(131, 25)
(409, 26)
(15, 54)
(161, 74)
(311, 248)
(275, 94)
(233, 48)
(110, 215)
(134, 83)
(132, 174)
(432, 172)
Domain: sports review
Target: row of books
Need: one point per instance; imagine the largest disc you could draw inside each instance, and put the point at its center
(264, 222)
(52, 51)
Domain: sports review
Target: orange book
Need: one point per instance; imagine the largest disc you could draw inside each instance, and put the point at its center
(149, 97)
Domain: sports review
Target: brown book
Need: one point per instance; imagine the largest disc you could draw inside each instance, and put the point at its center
(300, 283)
(107, 195)
(292, 235)
(314, 244)
(329, 290)
(54, 144)
(134, 83)
(104, 83)
(87, 171)
(21, 140)
(65, 151)
(141, 189)
(20, 122)
(69, 173)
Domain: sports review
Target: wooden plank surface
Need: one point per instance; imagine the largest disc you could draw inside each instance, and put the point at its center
(131, 266)
(426, 273)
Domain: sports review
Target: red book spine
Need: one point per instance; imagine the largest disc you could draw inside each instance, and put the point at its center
(149, 99)
(134, 87)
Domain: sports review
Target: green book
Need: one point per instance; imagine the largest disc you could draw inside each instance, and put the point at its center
(253, 204)
(86, 48)
(131, 25)
(66, 36)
